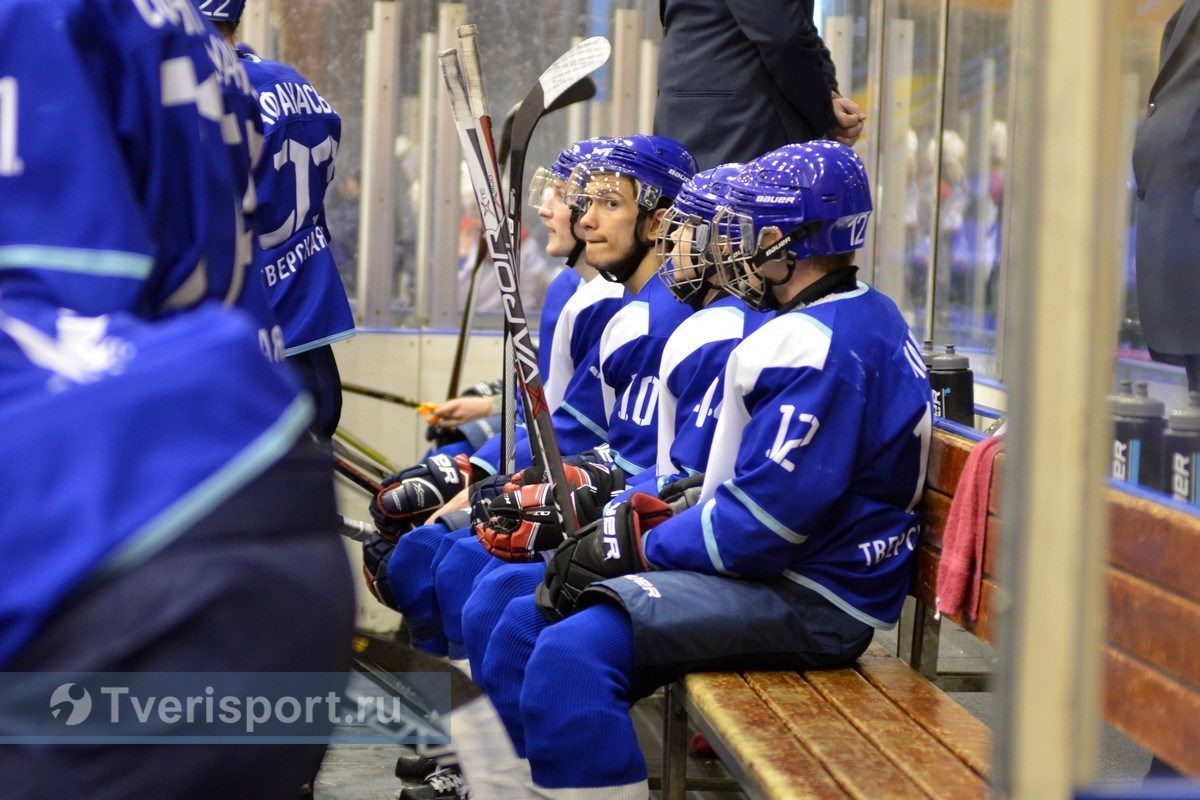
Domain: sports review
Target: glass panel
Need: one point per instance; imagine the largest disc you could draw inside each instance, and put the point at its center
(324, 41)
(1160, 319)
(974, 146)
(905, 194)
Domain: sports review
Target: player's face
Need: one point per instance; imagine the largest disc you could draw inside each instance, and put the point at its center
(684, 257)
(609, 225)
(556, 215)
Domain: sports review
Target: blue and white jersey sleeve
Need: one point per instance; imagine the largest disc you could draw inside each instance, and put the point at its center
(554, 308)
(690, 385)
(579, 411)
(630, 359)
(302, 133)
(817, 461)
(114, 167)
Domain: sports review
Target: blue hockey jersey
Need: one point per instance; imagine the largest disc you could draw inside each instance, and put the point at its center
(690, 383)
(558, 294)
(301, 135)
(818, 459)
(572, 381)
(631, 351)
(119, 435)
(123, 158)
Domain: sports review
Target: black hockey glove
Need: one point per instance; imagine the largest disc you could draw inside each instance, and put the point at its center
(609, 548)
(376, 552)
(410, 496)
(516, 525)
(683, 493)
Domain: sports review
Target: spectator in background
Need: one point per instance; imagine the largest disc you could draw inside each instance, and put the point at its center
(1167, 171)
(738, 78)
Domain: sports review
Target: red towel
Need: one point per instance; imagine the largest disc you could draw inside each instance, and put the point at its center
(960, 572)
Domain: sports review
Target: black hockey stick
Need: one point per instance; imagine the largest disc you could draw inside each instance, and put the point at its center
(480, 162)
(379, 394)
(356, 476)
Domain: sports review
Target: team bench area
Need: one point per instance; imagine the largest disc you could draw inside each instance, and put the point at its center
(884, 729)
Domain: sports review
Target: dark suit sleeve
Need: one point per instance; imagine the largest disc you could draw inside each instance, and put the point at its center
(793, 53)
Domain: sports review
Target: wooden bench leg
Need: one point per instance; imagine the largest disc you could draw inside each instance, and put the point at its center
(674, 772)
(923, 652)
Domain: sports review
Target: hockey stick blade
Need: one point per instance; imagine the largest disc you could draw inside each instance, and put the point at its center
(581, 60)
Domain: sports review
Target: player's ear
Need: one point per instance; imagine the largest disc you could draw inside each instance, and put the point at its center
(769, 236)
(653, 224)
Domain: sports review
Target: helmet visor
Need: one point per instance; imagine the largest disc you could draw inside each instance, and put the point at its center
(545, 190)
(589, 183)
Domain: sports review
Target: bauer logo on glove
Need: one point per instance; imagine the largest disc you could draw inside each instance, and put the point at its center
(410, 496)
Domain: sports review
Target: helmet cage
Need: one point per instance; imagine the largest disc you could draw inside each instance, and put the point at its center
(684, 258)
(737, 251)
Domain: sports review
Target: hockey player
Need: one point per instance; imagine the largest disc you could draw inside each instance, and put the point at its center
(689, 392)
(623, 191)
(414, 494)
(801, 545)
(186, 446)
(301, 133)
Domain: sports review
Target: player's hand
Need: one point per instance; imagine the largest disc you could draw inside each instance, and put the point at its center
(520, 523)
(410, 496)
(459, 502)
(461, 410)
(683, 493)
(376, 552)
(609, 548)
(850, 118)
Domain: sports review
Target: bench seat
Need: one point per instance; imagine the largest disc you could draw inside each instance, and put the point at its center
(878, 730)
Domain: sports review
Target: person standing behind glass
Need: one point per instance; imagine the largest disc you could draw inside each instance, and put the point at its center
(738, 78)
(1166, 165)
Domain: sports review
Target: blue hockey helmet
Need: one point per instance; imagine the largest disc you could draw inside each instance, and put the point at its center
(657, 165)
(684, 262)
(223, 10)
(815, 193)
(547, 180)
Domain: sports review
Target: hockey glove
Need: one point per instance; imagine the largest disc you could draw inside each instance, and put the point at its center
(683, 493)
(516, 525)
(608, 549)
(376, 552)
(410, 496)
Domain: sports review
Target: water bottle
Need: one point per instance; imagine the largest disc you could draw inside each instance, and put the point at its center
(953, 387)
(927, 354)
(1137, 436)
(1181, 448)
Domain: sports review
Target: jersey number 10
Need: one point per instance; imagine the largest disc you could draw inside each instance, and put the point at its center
(10, 163)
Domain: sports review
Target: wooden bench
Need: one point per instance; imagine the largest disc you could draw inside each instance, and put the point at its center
(883, 729)
(878, 730)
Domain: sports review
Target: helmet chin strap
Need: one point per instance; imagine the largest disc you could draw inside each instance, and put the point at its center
(580, 244)
(624, 267)
(769, 301)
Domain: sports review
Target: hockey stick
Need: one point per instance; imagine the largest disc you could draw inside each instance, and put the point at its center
(560, 79)
(354, 458)
(581, 91)
(353, 441)
(355, 529)
(379, 394)
(544, 445)
(356, 476)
